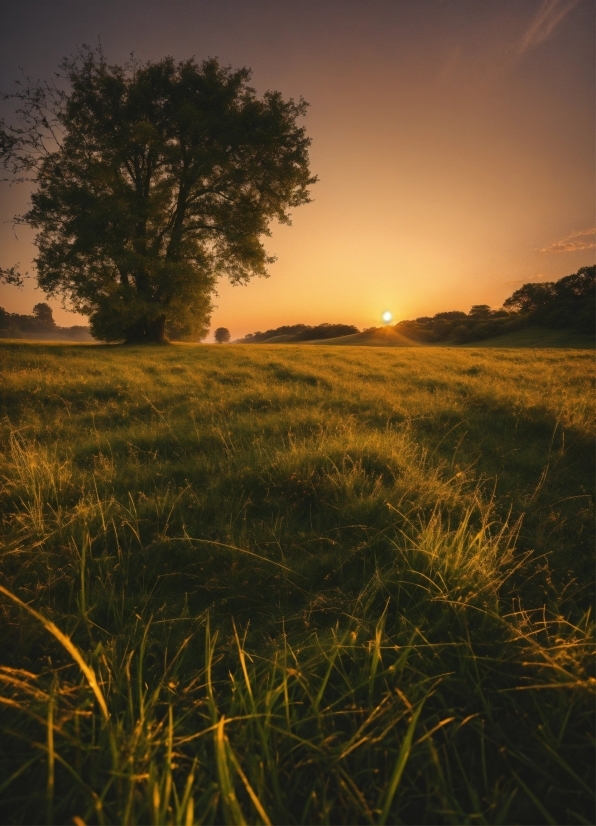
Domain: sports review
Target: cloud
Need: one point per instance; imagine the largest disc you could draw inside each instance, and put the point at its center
(548, 17)
(518, 282)
(584, 240)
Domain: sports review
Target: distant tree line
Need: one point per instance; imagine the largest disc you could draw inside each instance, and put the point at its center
(565, 304)
(39, 325)
(302, 332)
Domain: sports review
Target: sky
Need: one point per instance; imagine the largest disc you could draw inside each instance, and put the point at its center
(453, 140)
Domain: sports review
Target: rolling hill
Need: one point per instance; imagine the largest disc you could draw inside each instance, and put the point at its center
(538, 337)
(381, 337)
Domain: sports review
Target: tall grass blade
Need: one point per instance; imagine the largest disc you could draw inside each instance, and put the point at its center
(66, 642)
(51, 761)
(255, 800)
(400, 764)
(231, 807)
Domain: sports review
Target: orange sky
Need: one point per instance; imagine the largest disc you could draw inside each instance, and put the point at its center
(454, 141)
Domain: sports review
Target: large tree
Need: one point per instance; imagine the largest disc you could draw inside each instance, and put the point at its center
(151, 181)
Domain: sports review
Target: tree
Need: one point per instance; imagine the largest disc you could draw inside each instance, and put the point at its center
(449, 315)
(151, 181)
(480, 311)
(222, 335)
(44, 315)
(580, 285)
(530, 297)
(567, 303)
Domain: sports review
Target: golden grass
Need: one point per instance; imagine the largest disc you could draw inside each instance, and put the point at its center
(296, 584)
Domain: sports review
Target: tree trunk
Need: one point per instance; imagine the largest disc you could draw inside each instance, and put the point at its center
(156, 330)
(147, 331)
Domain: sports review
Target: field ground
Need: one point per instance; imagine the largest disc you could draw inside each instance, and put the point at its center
(296, 584)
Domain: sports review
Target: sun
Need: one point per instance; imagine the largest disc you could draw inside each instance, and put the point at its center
(387, 316)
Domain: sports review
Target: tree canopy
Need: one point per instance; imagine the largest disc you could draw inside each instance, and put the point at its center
(151, 180)
(532, 297)
(222, 335)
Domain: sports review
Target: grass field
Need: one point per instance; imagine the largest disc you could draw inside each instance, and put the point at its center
(296, 585)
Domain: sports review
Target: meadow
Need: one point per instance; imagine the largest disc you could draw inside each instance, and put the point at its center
(268, 584)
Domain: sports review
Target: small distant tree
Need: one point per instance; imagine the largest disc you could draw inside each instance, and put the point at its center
(44, 315)
(222, 335)
(450, 315)
(480, 311)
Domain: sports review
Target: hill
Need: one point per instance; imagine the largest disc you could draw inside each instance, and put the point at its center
(538, 337)
(379, 337)
(565, 307)
(286, 338)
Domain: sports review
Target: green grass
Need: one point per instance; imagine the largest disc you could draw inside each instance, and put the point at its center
(296, 585)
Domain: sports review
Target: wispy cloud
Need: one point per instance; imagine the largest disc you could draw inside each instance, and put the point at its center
(519, 281)
(546, 20)
(584, 240)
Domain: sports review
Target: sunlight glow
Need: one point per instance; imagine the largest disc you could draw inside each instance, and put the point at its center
(387, 316)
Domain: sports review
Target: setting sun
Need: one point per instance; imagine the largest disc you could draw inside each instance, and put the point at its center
(387, 316)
